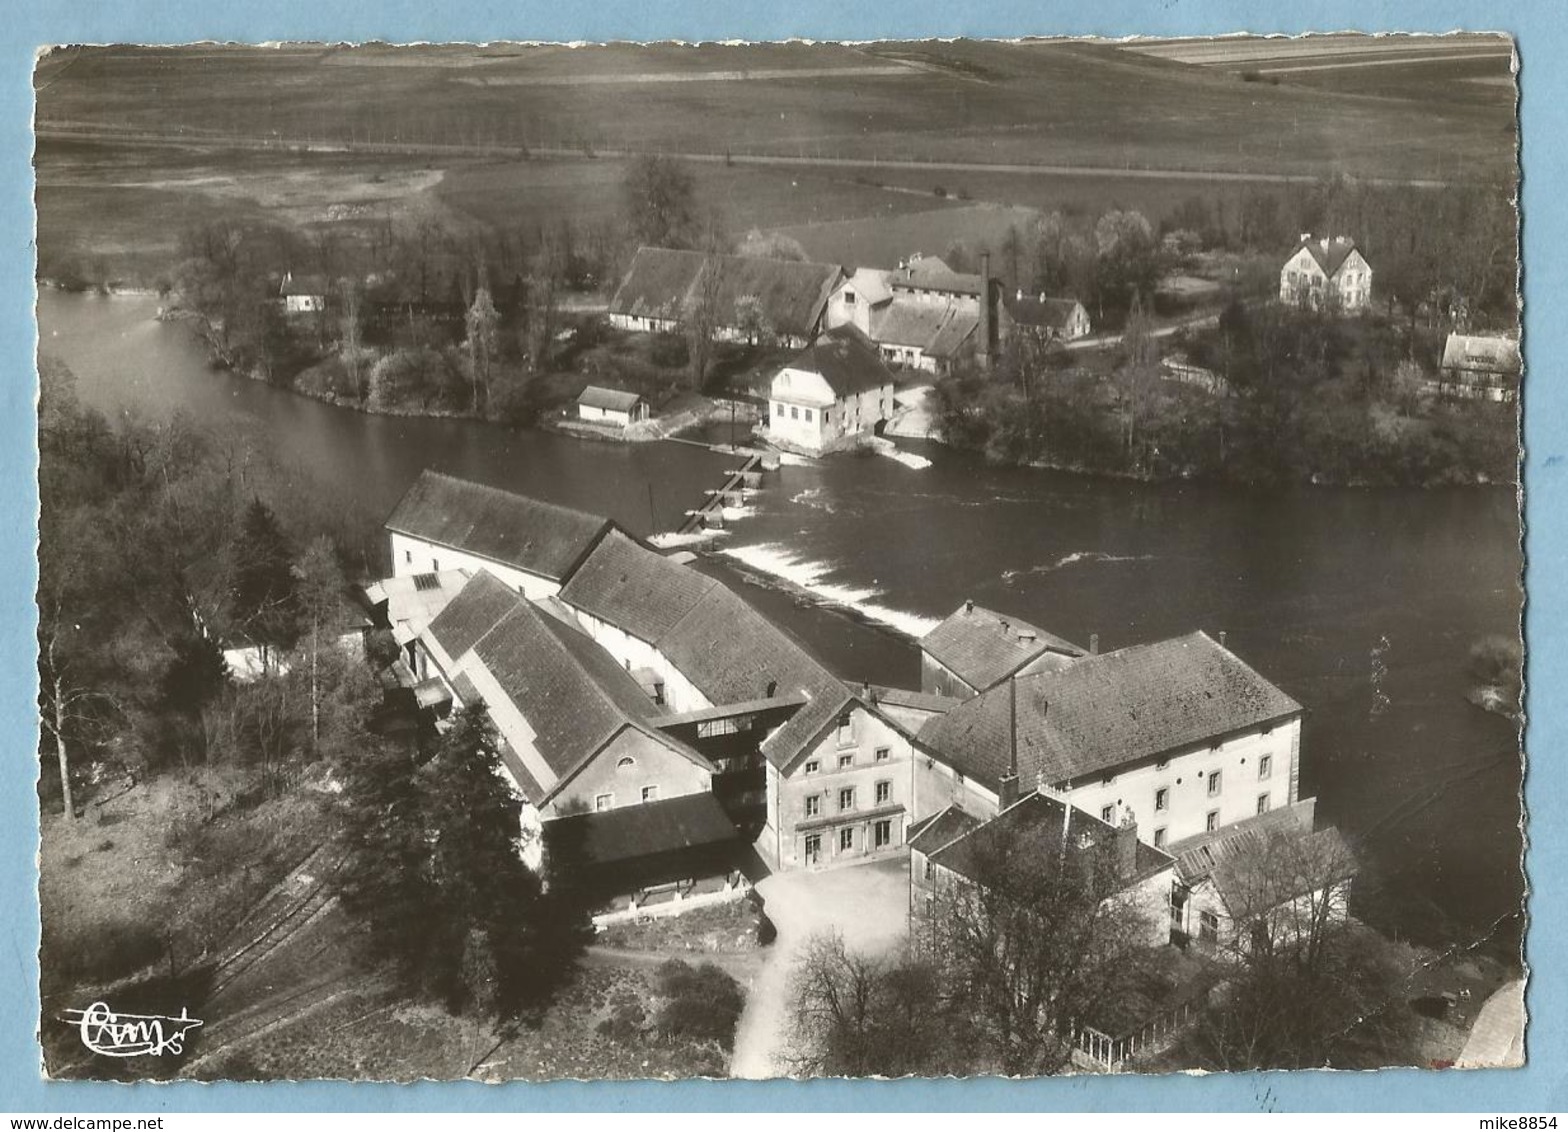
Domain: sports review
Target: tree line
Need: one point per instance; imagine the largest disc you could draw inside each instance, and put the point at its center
(1293, 397)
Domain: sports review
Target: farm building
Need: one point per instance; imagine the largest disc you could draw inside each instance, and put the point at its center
(753, 298)
(1048, 319)
(975, 649)
(1326, 274)
(444, 523)
(303, 294)
(831, 770)
(611, 406)
(830, 394)
(579, 735)
(1181, 734)
(1479, 368)
(923, 314)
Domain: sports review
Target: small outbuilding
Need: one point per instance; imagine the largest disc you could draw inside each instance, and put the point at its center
(303, 294)
(611, 406)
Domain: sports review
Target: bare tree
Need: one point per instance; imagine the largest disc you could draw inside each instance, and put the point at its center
(1031, 938)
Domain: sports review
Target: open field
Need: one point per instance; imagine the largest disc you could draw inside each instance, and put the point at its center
(1064, 103)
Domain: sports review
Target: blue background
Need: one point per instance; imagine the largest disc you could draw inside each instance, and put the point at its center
(1542, 42)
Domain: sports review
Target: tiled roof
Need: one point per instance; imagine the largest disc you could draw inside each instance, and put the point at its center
(1485, 354)
(598, 397)
(628, 832)
(847, 360)
(1329, 253)
(729, 651)
(930, 834)
(514, 530)
(1108, 710)
(663, 283)
(635, 589)
(1260, 863)
(476, 609)
(937, 330)
(572, 693)
(1036, 825)
(932, 274)
(1041, 310)
(870, 285)
(982, 646)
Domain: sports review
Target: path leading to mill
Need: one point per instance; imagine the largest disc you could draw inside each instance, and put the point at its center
(867, 904)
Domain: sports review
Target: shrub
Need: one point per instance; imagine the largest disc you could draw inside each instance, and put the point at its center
(669, 349)
(701, 1003)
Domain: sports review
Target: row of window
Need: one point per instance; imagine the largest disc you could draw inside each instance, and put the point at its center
(881, 838)
(795, 413)
(846, 799)
(1211, 820)
(847, 759)
(602, 802)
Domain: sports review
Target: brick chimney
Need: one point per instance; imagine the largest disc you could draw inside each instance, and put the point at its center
(1094, 643)
(986, 333)
(1007, 792)
(1126, 854)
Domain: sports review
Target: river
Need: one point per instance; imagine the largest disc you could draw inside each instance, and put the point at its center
(1362, 604)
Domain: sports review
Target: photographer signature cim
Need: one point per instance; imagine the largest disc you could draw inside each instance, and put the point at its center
(131, 1035)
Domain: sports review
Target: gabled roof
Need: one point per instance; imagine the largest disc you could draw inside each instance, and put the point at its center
(931, 833)
(930, 273)
(413, 599)
(1262, 862)
(1037, 824)
(870, 284)
(1109, 710)
(665, 282)
(513, 530)
(311, 285)
(846, 359)
(573, 695)
(1041, 310)
(1330, 254)
(937, 330)
(1482, 353)
(628, 832)
(729, 651)
(982, 647)
(634, 588)
(618, 400)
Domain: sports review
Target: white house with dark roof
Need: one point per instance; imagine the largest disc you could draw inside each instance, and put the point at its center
(1047, 317)
(1181, 735)
(616, 407)
(1326, 274)
(579, 735)
(975, 649)
(303, 294)
(445, 523)
(834, 392)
